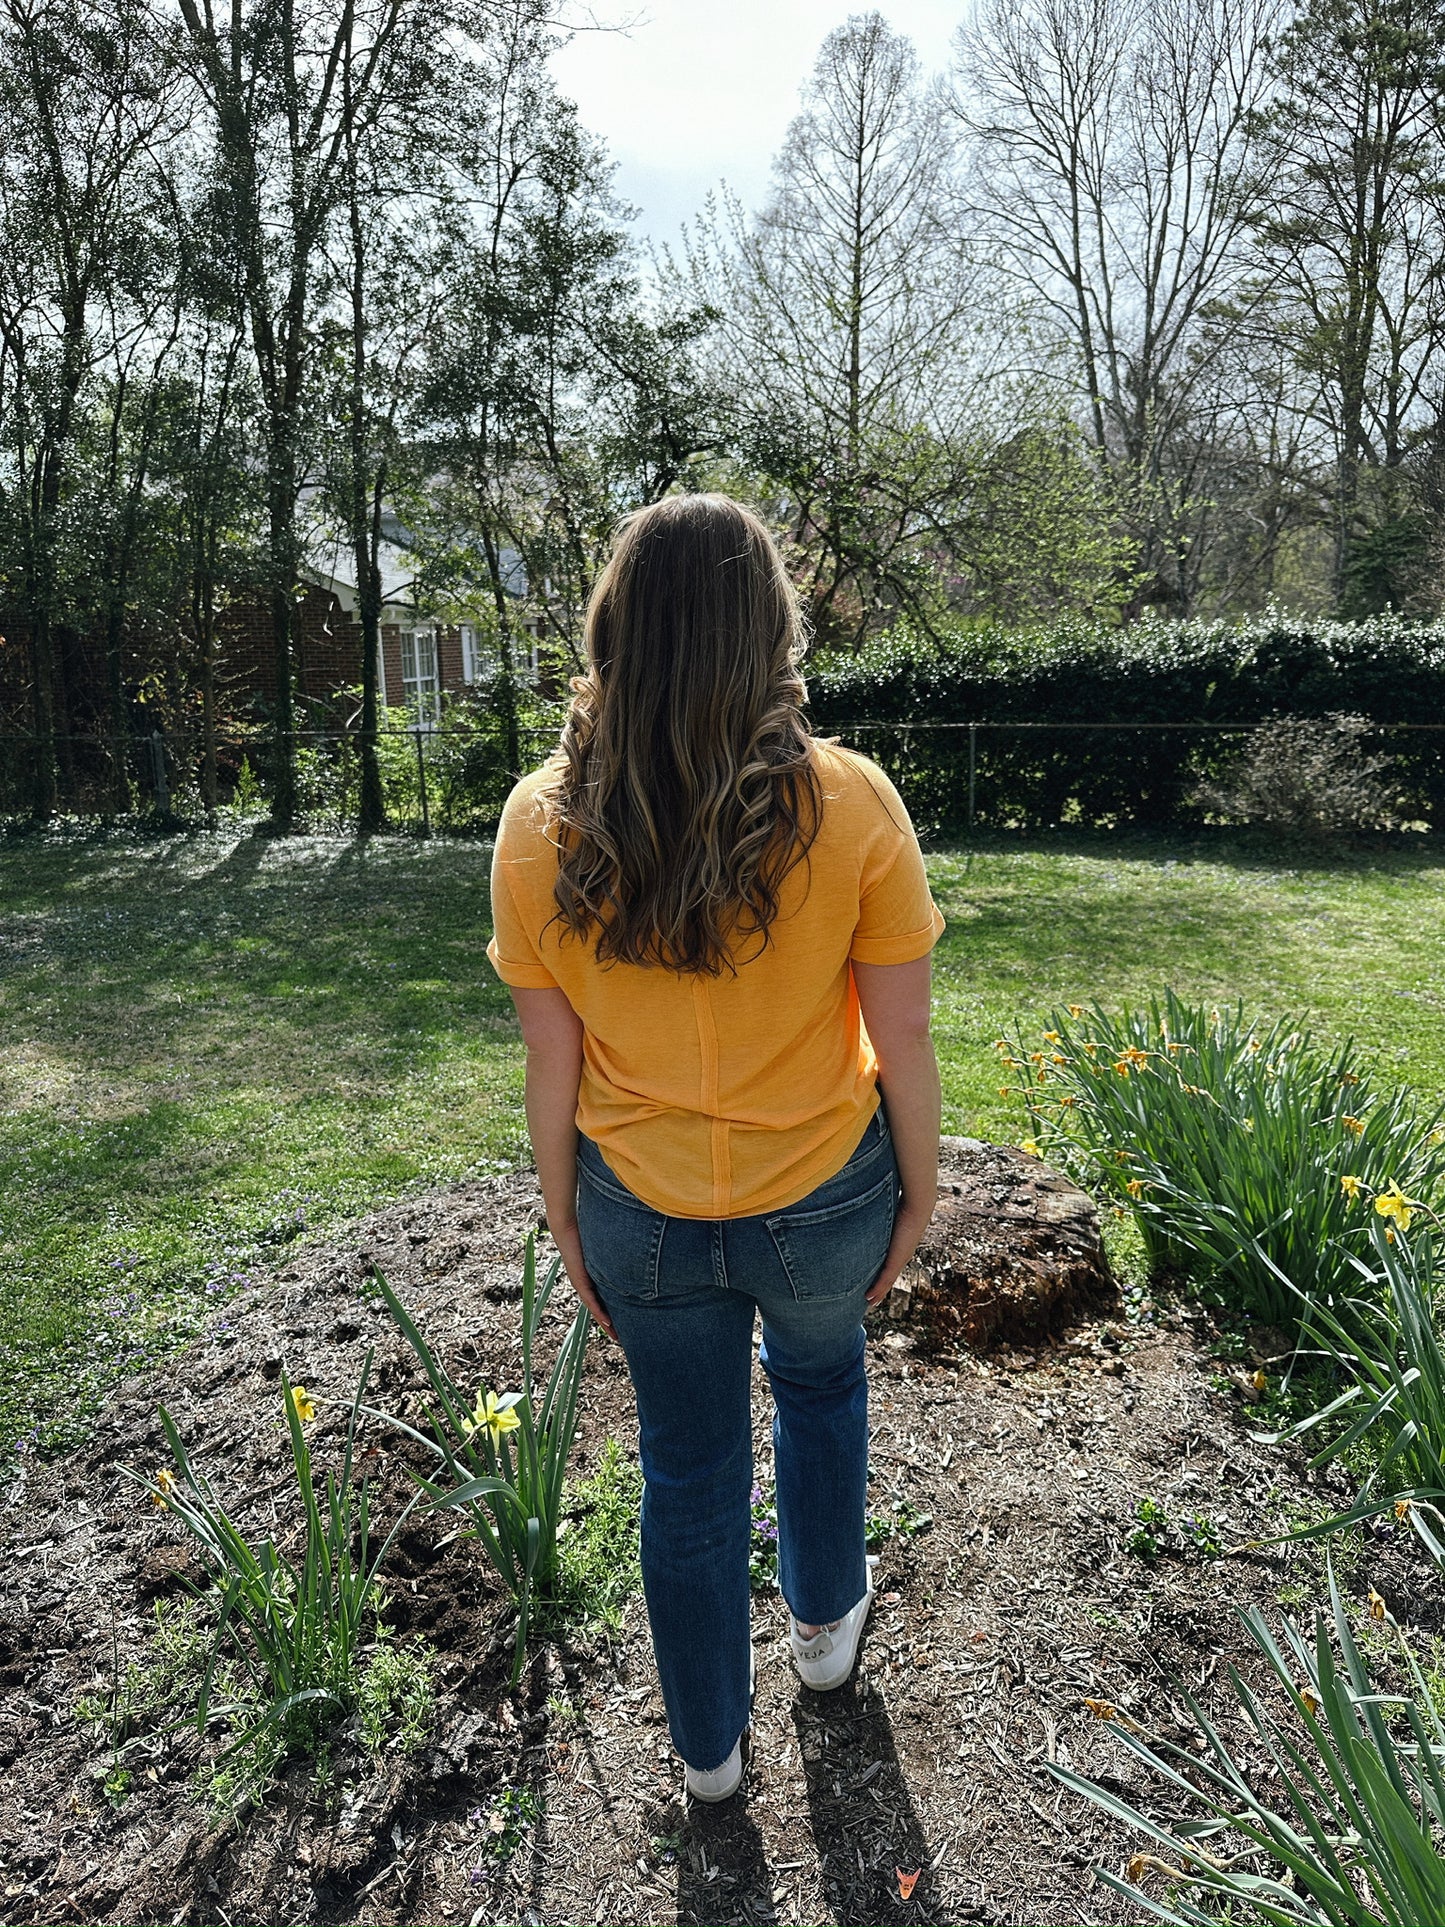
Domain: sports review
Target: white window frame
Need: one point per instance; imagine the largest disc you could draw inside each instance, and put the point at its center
(470, 670)
(421, 688)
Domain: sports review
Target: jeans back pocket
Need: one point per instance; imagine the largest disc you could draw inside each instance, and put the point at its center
(838, 1249)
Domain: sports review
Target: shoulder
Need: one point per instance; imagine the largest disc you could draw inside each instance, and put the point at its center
(857, 792)
(525, 814)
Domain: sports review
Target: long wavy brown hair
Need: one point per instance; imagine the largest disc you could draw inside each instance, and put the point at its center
(683, 789)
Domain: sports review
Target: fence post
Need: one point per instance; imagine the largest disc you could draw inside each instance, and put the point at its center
(158, 773)
(972, 769)
(421, 780)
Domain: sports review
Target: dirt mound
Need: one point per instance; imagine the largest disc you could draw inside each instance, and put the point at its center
(1010, 1600)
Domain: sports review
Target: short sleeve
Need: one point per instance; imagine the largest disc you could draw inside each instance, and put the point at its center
(515, 950)
(898, 921)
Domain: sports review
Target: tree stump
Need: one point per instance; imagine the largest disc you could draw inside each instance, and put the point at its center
(1013, 1252)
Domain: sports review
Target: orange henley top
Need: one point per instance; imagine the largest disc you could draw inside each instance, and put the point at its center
(723, 1097)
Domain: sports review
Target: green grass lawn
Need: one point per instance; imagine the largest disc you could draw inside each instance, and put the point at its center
(210, 1046)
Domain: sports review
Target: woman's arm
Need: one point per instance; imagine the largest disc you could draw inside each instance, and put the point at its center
(895, 1001)
(552, 1032)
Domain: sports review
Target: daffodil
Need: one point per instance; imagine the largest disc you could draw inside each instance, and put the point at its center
(1350, 1185)
(1031, 1145)
(1352, 1125)
(1402, 1508)
(1122, 1066)
(1435, 1137)
(493, 1414)
(166, 1485)
(1377, 1605)
(1067, 1103)
(303, 1404)
(1076, 1010)
(1311, 1700)
(1051, 1037)
(1135, 1187)
(1003, 1090)
(1259, 1381)
(1392, 1203)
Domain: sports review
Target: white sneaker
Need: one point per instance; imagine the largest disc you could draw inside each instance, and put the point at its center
(826, 1658)
(720, 1782)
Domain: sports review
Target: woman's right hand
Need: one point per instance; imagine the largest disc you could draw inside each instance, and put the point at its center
(908, 1229)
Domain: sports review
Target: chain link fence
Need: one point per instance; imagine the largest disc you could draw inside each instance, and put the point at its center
(452, 778)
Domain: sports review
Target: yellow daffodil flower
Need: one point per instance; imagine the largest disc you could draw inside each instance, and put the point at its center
(1036, 1057)
(1135, 1187)
(1377, 1605)
(166, 1480)
(1003, 1090)
(1392, 1203)
(1067, 1103)
(1435, 1137)
(303, 1404)
(1352, 1125)
(1311, 1700)
(1259, 1381)
(1051, 1037)
(1076, 1010)
(1402, 1508)
(1350, 1185)
(1031, 1145)
(1122, 1066)
(492, 1414)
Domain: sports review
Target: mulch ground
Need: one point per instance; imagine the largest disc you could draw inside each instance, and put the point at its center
(990, 1631)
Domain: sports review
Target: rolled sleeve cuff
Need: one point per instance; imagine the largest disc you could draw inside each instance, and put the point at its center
(521, 976)
(907, 948)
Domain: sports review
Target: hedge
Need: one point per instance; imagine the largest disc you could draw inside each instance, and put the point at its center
(1065, 682)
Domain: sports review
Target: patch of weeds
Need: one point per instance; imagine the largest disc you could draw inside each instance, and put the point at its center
(562, 1711)
(514, 1813)
(1294, 1595)
(902, 1520)
(763, 1543)
(598, 1563)
(395, 1696)
(1156, 1532)
(1128, 1259)
(663, 1848)
(1147, 1540)
(1203, 1535)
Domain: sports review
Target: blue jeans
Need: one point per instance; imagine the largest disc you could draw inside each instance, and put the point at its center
(682, 1293)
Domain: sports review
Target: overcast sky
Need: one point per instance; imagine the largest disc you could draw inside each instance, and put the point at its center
(699, 91)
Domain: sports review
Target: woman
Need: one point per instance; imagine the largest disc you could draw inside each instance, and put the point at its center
(695, 903)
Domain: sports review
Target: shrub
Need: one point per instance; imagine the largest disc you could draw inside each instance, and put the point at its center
(1341, 1829)
(1048, 685)
(1307, 777)
(1250, 1157)
(503, 1460)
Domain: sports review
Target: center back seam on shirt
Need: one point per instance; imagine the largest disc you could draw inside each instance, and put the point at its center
(719, 1148)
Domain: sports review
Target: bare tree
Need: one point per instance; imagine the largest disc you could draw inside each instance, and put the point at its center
(1111, 164)
(846, 324)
